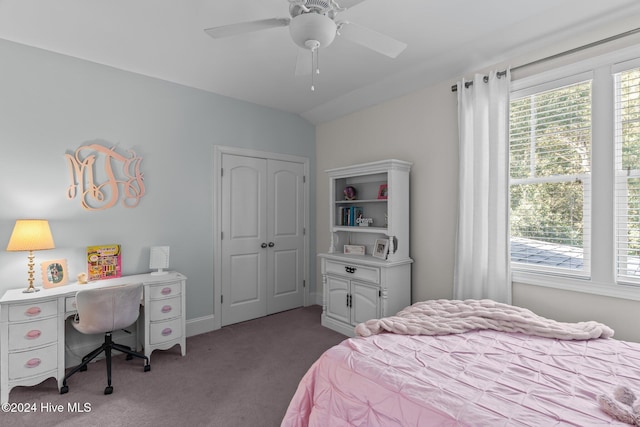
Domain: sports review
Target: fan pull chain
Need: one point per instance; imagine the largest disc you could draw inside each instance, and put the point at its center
(314, 66)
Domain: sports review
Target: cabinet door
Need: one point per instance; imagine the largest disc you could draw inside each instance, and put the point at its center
(365, 303)
(337, 302)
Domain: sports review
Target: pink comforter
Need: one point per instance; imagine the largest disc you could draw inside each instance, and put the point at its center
(482, 378)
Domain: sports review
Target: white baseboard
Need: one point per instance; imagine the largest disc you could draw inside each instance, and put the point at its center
(200, 325)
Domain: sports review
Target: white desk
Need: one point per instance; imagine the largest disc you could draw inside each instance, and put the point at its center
(32, 326)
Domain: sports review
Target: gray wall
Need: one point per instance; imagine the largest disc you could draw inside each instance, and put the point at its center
(52, 104)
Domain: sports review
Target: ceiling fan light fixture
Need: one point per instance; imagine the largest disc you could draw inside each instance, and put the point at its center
(312, 26)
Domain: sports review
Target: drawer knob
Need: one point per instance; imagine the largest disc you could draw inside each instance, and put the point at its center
(33, 363)
(33, 311)
(166, 332)
(33, 334)
(349, 269)
(165, 291)
(166, 309)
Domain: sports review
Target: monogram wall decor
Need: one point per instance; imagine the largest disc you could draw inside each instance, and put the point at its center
(101, 177)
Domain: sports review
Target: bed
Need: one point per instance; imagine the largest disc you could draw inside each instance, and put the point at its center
(536, 373)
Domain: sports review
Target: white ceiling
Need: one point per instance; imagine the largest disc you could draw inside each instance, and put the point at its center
(165, 39)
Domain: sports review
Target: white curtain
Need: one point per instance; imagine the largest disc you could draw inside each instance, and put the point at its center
(482, 268)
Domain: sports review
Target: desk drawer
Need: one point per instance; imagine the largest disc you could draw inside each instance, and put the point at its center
(164, 290)
(34, 310)
(165, 331)
(165, 308)
(353, 271)
(31, 334)
(70, 304)
(34, 362)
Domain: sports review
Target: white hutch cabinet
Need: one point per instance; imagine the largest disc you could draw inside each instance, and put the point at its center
(360, 286)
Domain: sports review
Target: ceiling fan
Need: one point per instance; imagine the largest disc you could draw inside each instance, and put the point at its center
(313, 25)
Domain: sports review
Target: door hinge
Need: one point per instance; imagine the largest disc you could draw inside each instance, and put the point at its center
(379, 293)
(221, 299)
(304, 231)
(221, 172)
(304, 178)
(304, 283)
(222, 235)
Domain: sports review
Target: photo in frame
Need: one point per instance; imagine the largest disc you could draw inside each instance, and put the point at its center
(54, 273)
(383, 191)
(380, 248)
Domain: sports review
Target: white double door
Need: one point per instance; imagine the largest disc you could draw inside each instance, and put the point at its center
(262, 246)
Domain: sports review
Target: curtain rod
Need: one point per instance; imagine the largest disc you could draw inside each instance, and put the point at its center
(454, 88)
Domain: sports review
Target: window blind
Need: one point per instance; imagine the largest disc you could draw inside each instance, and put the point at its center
(627, 191)
(550, 178)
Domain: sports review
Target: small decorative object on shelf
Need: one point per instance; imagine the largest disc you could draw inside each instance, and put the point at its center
(380, 248)
(350, 193)
(382, 191)
(364, 222)
(354, 249)
(82, 278)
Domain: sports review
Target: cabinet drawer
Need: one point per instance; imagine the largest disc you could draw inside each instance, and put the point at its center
(353, 271)
(30, 334)
(35, 310)
(29, 363)
(165, 308)
(165, 331)
(164, 290)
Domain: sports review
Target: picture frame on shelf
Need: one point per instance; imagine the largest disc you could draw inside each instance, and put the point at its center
(383, 191)
(380, 248)
(54, 273)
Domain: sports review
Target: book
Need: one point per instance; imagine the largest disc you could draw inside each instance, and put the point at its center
(104, 262)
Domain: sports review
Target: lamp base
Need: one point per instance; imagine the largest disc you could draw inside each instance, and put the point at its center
(30, 290)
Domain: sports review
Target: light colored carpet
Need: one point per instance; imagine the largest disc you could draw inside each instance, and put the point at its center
(240, 375)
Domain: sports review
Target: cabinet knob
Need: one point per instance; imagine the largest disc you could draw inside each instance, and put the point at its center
(271, 244)
(264, 245)
(349, 269)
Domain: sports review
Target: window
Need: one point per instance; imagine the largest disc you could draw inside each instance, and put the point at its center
(627, 135)
(574, 160)
(550, 164)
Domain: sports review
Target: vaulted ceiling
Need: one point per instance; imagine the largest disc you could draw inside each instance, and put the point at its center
(166, 39)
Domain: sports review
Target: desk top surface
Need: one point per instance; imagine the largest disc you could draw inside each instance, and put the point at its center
(16, 295)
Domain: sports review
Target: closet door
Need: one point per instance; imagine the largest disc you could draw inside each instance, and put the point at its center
(285, 216)
(244, 239)
(262, 262)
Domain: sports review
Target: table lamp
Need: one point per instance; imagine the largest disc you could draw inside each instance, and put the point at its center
(31, 235)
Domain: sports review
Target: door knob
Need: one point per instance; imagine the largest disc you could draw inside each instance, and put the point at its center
(271, 244)
(264, 245)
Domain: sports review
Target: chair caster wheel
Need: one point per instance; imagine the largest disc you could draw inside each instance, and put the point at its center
(129, 357)
(108, 390)
(84, 368)
(147, 368)
(64, 389)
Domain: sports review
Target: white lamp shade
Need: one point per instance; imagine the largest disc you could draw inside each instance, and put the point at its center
(31, 235)
(312, 26)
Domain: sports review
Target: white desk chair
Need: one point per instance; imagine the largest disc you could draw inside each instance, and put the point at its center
(104, 310)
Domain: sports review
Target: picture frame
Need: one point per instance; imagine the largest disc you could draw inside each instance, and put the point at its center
(54, 273)
(383, 191)
(380, 248)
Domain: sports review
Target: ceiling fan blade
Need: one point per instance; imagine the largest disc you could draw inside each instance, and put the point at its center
(372, 39)
(303, 62)
(346, 4)
(246, 27)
